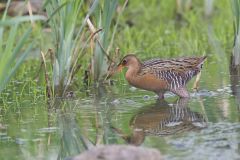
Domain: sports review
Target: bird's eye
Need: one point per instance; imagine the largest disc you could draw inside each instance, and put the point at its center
(124, 62)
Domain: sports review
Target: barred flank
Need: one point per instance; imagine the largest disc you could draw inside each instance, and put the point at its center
(176, 72)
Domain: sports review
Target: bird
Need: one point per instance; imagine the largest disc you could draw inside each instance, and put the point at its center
(161, 75)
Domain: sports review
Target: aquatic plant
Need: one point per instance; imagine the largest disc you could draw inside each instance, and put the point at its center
(236, 24)
(103, 17)
(71, 39)
(234, 65)
(13, 50)
(67, 35)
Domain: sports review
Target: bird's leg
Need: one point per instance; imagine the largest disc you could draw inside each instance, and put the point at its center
(181, 92)
(196, 82)
(160, 95)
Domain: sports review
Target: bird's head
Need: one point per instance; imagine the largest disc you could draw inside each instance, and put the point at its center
(130, 61)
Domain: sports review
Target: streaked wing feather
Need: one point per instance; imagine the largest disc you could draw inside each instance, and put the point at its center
(176, 72)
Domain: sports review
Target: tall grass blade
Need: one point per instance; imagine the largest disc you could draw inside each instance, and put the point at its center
(100, 61)
(64, 16)
(236, 46)
(18, 63)
(11, 47)
(21, 19)
(10, 60)
(116, 25)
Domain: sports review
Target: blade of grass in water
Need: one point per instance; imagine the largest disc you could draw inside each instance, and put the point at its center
(236, 47)
(10, 56)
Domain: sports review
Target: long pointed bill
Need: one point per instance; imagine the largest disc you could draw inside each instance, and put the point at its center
(113, 71)
(119, 68)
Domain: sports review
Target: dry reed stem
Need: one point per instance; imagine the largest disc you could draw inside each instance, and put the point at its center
(42, 63)
(203, 109)
(74, 69)
(29, 6)
(112, 65)
(49, 140)
(38, 73)
(95, 32)
(196, 82)
(117, 54)
(179, 6)
(124, 136)
(49, 90)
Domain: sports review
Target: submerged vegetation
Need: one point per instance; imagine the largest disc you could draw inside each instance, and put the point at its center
(55, 101)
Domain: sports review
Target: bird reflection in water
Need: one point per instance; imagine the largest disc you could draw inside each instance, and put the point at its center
(161, 119)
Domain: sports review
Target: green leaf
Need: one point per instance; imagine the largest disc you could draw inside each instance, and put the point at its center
(21, 19)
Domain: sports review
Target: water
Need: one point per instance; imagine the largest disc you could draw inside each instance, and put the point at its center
(206, 126)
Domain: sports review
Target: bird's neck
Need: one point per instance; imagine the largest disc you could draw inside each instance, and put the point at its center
(132, 72)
